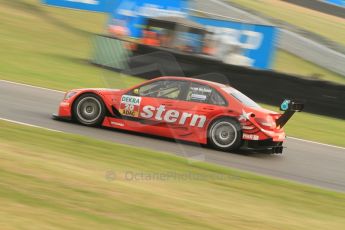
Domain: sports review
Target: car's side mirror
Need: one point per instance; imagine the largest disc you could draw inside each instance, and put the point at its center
(136, 91)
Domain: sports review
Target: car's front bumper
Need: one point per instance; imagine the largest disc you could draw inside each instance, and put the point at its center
(61, 118)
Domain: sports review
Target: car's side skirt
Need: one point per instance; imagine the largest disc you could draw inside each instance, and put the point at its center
(142, 127)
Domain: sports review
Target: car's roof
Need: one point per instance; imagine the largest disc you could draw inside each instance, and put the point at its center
(215, 84)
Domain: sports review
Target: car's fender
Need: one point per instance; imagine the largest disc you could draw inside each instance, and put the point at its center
(106, 96)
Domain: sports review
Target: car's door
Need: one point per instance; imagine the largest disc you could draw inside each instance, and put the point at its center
(153, 105)
(203, 103)
(143, 98)
(170, 111)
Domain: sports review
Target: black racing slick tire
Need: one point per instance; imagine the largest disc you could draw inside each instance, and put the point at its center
(89, 109)
(225, 134)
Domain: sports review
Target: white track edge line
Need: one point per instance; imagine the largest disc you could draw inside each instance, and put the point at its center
(29, 125)
(32, 86)
(315, 142)
(37, 87)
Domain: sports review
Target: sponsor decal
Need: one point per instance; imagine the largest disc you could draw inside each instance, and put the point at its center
(201, 90)
(130, 106)
(92, 2)
(240, 43)
(172, 116)
(244, 116)
(250, 136)
(150, 10)
(117, 123)
(247, 127)
(198, 97)
(64, 104)
(285, 105)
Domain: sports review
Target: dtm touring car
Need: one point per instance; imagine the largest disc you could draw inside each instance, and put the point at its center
(187, 109)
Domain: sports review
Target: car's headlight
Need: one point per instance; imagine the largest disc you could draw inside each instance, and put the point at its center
(70, 94)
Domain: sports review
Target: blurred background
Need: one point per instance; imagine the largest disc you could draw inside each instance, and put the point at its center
(268, 49)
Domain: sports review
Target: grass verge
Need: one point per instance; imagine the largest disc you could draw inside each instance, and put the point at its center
(52, 180)
(328, 26)
(289, 63)
(49, 47)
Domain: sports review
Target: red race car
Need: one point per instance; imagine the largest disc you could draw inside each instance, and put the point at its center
(183, 108)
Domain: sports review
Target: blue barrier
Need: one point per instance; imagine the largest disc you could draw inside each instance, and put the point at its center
(256, 42)
(91, 5)
(252, 45)
(135, 12)
(336, 2)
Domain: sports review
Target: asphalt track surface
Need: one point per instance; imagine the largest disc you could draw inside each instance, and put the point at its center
(302, 161)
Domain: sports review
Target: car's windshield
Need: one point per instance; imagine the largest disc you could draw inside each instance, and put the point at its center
(241, 97)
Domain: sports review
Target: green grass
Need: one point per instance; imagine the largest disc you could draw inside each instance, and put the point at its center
(289, 63)
(50, 47)
(325, 25)
(52, 180)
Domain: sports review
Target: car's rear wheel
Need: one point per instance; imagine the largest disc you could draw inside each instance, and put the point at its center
(225, 134)
(89, 110)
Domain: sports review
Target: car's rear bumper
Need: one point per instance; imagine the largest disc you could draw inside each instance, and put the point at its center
(267, 146)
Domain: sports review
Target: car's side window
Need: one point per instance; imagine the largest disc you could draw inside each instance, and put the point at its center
(217, 99)
(204, 94)
(169, 89)
(150, 90)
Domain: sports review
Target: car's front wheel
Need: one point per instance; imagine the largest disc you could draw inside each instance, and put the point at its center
(225, 134)
(89, 110)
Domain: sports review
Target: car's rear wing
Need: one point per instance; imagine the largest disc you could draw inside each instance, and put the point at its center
(290, 107)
